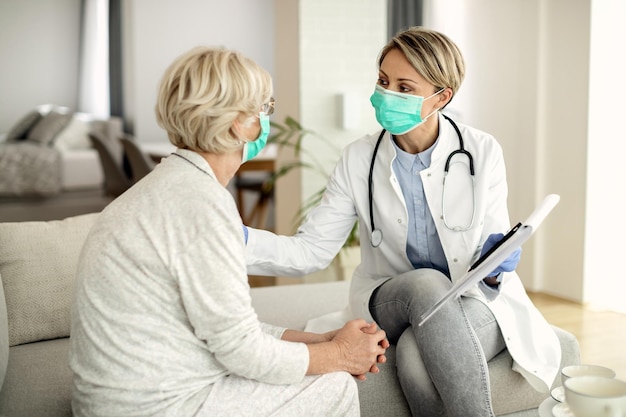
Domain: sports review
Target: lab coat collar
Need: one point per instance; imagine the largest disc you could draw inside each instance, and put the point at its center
(445, 143)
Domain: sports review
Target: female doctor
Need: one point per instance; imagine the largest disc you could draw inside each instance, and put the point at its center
(430, 197)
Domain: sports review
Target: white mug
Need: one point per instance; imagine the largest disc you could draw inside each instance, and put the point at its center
(596, 396)
(585, 370)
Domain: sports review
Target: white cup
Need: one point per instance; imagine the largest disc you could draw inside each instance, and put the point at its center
(586, 370)
(596, 396)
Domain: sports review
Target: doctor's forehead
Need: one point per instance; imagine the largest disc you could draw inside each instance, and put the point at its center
(395, 67)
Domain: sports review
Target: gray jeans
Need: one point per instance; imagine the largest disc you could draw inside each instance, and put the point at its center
(442, 365)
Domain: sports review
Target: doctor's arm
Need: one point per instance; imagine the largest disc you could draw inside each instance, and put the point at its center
(315, 244)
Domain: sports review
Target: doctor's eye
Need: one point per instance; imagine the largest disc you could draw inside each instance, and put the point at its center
(405, 89)
(382, 82)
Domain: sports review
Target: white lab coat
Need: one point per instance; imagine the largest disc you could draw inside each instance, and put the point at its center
(530, 340)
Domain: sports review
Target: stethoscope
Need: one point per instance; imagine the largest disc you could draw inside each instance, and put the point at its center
(376, 236)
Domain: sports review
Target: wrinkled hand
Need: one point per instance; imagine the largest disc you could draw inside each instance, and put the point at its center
(510, 263)
(361, 346)
(371, 329)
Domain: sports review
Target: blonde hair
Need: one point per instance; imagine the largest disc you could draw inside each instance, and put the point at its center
(433, 55)
(203, 92)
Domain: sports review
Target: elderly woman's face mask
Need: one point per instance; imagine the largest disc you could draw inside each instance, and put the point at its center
(252, 149)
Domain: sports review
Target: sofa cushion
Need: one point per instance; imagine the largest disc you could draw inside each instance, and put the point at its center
(74, 136)
(38, 261)
(38, 380)
(49, 127)
(20, 129)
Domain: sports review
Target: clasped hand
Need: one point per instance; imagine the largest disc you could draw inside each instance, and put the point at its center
(361, 347)
(510, 263)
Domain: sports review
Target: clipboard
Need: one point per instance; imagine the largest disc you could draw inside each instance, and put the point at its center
(489, 261)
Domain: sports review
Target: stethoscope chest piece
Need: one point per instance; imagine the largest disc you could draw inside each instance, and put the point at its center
(376, 237)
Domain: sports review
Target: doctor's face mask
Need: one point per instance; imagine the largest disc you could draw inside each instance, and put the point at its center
(252, 149)
(399, 113)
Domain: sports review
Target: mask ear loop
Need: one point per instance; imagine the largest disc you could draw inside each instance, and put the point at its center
(437, 109)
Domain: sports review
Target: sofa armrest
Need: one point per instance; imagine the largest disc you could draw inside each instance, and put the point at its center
(291, 306)
(4, 335)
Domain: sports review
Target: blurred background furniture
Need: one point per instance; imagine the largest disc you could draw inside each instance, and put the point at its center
(47, 152)
(260, 184)
(117, 176)
(254, 185)
(140, 163)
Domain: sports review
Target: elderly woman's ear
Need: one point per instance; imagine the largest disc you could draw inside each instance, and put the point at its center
(245, 128)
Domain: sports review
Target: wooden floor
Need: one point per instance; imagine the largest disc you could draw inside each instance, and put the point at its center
(601, 334)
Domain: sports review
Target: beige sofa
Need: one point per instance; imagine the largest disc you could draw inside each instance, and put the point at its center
(37, 263)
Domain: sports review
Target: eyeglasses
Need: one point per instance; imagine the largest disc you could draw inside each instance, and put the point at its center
(268, 108)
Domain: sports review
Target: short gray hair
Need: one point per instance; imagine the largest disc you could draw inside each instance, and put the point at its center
(203, 92)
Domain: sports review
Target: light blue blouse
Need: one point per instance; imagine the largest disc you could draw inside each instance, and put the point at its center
(423, 246)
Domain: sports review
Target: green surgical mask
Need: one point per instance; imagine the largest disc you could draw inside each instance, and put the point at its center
(252, 149)
(399, 113)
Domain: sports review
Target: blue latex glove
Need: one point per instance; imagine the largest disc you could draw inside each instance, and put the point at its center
(245, 234)
(510, 263)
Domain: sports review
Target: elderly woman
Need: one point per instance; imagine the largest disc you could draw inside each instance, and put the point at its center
(430, 196)
(163, 322)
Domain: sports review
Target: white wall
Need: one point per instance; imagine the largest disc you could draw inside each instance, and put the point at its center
(605, 282)
(161, 30)
(39, 49)
(499, 94)
(562, 141)
(544, 77)
(38, 56)
(339, 46)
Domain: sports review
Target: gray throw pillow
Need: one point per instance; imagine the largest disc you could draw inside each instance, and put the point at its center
(49, 127)
(23, 126)
(38, 262)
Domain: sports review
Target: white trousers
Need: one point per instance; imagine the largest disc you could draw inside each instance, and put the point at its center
(328, 395)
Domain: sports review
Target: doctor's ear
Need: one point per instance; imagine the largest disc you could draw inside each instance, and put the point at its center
(445, 97)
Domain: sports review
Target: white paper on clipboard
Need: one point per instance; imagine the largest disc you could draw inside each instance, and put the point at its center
(491, 260)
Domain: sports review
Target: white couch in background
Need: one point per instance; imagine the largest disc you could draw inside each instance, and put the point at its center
(68, 160)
